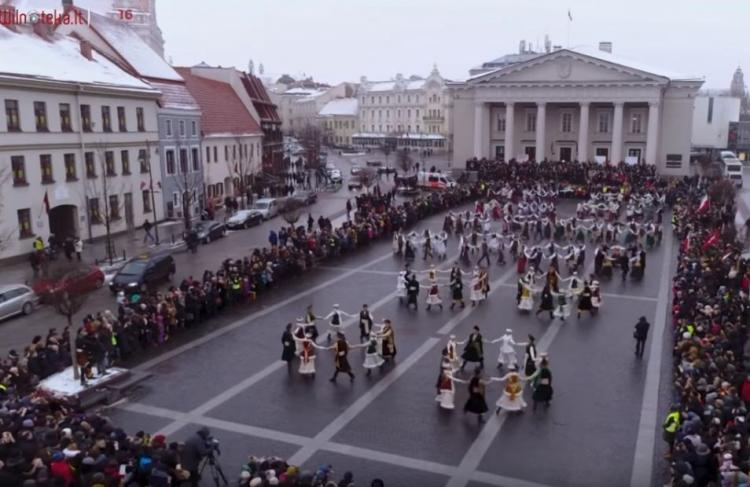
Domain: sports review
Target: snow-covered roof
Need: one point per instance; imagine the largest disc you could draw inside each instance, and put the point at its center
(340, 106)
(300, 91)
(131, 47)
(382, 86)
(176, 96)
(28, 55)
(374, 135)
(615, 59)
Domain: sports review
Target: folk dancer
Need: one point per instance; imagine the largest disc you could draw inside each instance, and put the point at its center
(474, 349)
(542, 383)
(373, 356)
(531, 357)
(562, 304)
(512, 397)
(401, 282)
(335, 320)
(596, 296)
(526, 295)
(457, 290)
(450, 353)
(547, 302)
(307, 356)
(476, 403)
(477, 288)
(433, 295)
(507, 356)
(412, 291)
(584, 300)
(341, 349)
(388, 341)
(446, 388)
(365, 323)
(288, 346)
(310, 326)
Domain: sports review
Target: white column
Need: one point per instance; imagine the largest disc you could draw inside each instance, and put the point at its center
(617, 134)
(478, 130)
(652, 136)
(583, 133)
(509, 131)
(541, 136)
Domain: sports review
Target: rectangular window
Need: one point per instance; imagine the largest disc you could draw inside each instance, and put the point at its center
(40, 115)
(183, 161)
(208, 155)
(603, 123)
(531, 122)
(65, 123)
(674, 161)
(125, 158)
(45, 164)
(122, 124)
(194, 128)
(567, 123)
(142, 161)
(139, 119)
(70, 167)
(169, 127)
(182, 128)
(226, 153)
(114, 207)
(12, 116)
(216, 154)
(18, 166)
(24, 223)
(95, 216)
(501, 124)
(90, 165)
(109, 163)
(234, 152)
(106, 119)
(196, 159)
(710, 109)
(636, 123)
(146, 197)
(170, 162)
(86, 118)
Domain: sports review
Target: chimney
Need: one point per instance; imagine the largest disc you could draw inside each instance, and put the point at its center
(8, 15)
(556, 47)
(43, 30)
(86, 50)
(67, 5)
(605, 46)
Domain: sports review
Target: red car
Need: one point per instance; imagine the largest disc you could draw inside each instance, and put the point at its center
(78, 281)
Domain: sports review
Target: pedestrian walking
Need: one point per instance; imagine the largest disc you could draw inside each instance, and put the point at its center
(78, 246)
(348, 210)
(640, 334)
(147, 226)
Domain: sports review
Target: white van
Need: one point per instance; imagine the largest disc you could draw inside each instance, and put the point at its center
(732, 170)
(267, 207)
(435, 180)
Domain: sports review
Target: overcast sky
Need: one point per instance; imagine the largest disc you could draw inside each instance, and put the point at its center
(341, 40)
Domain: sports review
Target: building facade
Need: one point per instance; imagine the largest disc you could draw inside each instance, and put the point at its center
(74, 153)
(713, 114)
(577, 104)
(270, 124)
(413, 113)
(338, 121)
(299, 108)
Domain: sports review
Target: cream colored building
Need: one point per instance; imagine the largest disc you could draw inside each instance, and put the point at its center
(576, 104)
(300, 107)
(338, 121)
(414, 113)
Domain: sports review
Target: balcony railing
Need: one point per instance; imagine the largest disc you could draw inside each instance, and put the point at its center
(433, 118)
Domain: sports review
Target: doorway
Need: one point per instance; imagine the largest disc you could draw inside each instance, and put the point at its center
(635, 153)
(566, 154)
(500, 153)
(530, 151)
(603, 152)
(63, 222)
(128, 204)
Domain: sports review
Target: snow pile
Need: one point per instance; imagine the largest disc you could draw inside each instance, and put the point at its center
(62, 384)
(28, 55)
(341, 106)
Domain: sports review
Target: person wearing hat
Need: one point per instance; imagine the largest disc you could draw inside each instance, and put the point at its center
(307, 356)
(507, 356)
(474, 349)
(476, 402)
(341, 349)
(288, 346)
(335, 320)
(640, 333)
(366, 321)
(310, 326)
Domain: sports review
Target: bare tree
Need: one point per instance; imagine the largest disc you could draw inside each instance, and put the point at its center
(68, 302)
(310, 138)
(291, 210)
(102, 187)
(189, 184)
(367, 177)
(7, 233)
(241, 170)
(404, 160)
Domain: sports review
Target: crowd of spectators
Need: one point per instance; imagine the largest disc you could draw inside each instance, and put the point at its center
(706, 428)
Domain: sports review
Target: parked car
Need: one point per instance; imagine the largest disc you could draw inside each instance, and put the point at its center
(356, 170)
(78, 281)
(209, 230)
(17, 299)
(386, 170)
(335, 176)
(374, 163)
(307, 197)
(244, 219)
(267, 207)
(146, 269)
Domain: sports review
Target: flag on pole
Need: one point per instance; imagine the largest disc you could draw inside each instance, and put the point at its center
(570, 16)
(711, 240)
(703, 207)
(45, 202)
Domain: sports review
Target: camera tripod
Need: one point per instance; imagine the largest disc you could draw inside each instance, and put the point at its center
(215, 468)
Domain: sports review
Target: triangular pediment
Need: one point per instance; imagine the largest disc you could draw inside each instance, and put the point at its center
(567, 67)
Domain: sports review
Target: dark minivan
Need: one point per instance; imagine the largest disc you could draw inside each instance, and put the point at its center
(147, 269)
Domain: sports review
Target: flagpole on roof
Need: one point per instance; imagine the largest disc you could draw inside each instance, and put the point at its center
(570, 21)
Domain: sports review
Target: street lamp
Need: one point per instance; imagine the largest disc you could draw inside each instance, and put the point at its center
(147, 161)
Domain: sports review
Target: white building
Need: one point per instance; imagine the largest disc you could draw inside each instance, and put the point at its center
(714, 110)
(232, 143)
(576, 104)
(300, 107)
(412, 113)
(338, 121)
(73, 131)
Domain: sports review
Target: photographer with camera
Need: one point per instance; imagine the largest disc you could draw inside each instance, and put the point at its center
(197, 447)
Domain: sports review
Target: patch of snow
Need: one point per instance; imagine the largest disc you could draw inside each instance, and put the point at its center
(26, 54)
(62, 384)
(629, 63)
(341, 106)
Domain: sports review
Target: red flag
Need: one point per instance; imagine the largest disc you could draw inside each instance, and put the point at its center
(45, 202)
(711, 240)
(703, 207)
(686, 243)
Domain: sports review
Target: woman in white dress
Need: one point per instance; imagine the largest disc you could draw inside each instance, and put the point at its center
(401, 286)
(373, 353)
(446, 388)
(433, 295)
(307, 356)
(451, 356)
(335, 320)
(507, 356)
(511, 399)
(596, 295)
(562, 304)
(527, 296)
(477, 288)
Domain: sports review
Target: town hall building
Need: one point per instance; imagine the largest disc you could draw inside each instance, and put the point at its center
(576, 104)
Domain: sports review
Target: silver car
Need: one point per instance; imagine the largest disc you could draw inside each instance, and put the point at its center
(17, 299)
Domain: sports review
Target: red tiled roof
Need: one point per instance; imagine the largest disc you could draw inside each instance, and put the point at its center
(261, 101)
(222, 110)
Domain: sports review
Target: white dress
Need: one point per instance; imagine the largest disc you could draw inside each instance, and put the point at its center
(373, 360)
(453, 357)
(433, 296)
(507, 354)
(401, 285)
(446, 397)
(527, 299)
(438, 245)
(507, 403)
(477, 294)
(306, 367)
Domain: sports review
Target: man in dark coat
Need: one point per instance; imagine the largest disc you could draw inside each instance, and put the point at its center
(640, 334)
(196, 448)
(412, 291)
